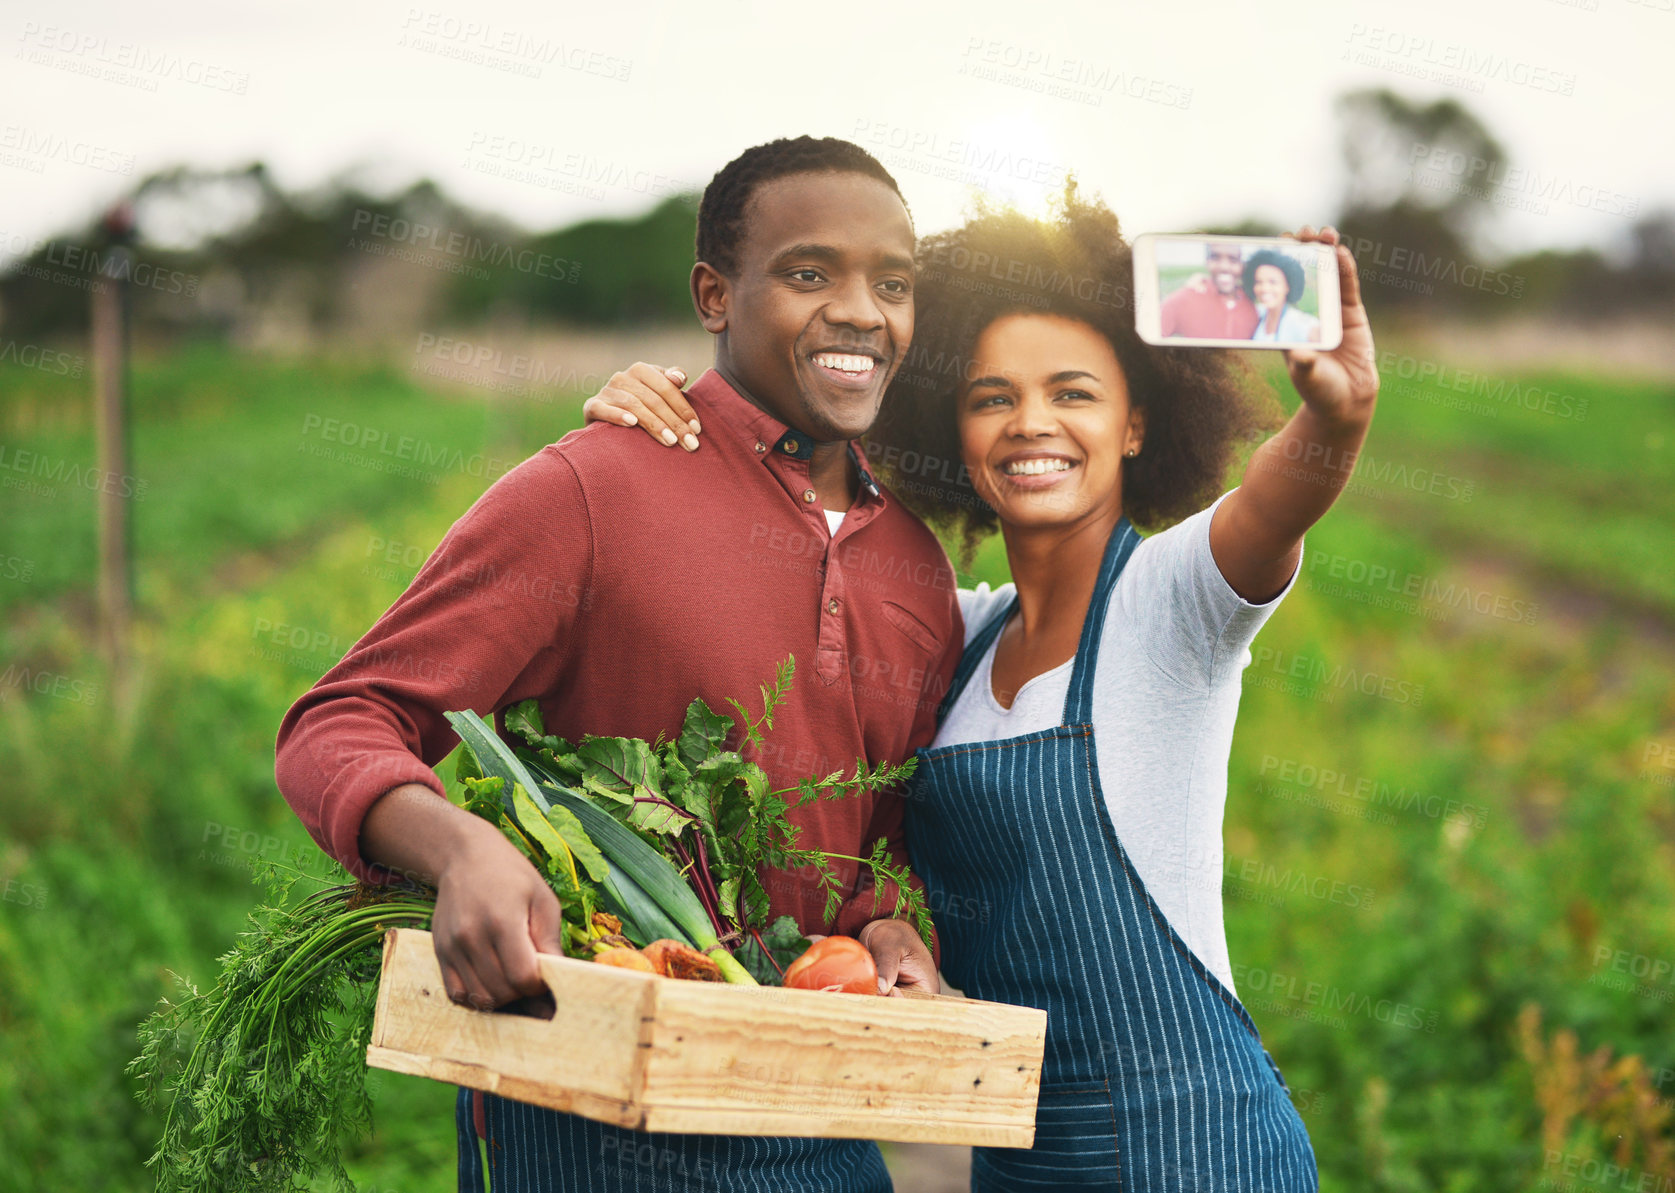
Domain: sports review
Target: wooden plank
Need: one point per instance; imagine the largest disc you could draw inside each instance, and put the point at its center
(870, 1125)
(661, 1055)
(537, 1093)
(591, 1048)
(845, 1065)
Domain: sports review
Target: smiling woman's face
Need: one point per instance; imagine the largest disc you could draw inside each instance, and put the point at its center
(1045, 420)
(1270, 286)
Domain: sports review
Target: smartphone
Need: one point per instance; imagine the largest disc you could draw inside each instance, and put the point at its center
(1236, 292)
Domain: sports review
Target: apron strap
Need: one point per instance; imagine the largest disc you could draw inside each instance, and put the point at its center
(1078, 701)
(973, 655)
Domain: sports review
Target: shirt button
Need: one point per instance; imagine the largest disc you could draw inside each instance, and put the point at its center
(832, 605)
(808, 495)
(790, 446)
(760, 447)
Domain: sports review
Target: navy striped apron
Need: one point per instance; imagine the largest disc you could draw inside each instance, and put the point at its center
(1154, 1076)
(533, 1149)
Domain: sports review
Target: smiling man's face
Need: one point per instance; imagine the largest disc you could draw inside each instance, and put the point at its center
(1224, 262)
(819, 314)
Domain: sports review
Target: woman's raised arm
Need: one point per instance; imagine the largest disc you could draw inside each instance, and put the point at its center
(1294, 478)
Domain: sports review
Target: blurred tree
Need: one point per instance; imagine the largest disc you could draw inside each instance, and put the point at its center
(229, 253)
(1434, 159)
(608, 271)
(1420, 178)
(1651, 271)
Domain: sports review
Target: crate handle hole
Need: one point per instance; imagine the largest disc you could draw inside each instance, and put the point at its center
(531, 1006)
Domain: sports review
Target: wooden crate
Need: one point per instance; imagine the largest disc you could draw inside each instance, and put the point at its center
(657, 1054)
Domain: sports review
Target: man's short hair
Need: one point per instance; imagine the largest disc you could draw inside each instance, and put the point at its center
(721, 212)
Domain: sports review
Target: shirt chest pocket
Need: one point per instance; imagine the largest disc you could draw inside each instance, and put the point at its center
(920, 634)
(889, 667)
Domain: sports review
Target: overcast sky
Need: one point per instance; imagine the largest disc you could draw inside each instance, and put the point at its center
(1178, 113)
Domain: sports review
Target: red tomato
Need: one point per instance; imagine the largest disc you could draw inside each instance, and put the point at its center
(836, 963)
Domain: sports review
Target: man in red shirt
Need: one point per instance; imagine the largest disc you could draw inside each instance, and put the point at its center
(543, 590)
(1219, 311)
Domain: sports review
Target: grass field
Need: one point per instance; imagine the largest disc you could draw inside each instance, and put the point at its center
(1449, 796)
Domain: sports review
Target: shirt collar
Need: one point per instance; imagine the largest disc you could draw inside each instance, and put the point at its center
(762, 432)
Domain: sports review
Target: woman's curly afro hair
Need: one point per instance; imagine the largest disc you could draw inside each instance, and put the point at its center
(1285, 263)
(1200, 408)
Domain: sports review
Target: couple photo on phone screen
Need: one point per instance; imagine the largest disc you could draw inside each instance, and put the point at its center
(1232, 294)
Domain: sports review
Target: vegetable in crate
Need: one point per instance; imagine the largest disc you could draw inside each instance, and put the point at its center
(838, 963)
(712, 813)
(264, 1075)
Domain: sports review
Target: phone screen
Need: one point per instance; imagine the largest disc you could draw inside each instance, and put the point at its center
(1236, 292)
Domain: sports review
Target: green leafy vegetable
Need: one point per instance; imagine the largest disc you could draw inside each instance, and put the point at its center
(713, 814)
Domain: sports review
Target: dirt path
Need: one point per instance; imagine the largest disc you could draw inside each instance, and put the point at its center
(1639, 350)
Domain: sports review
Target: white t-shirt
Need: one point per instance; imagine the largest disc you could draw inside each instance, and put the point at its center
(834, 519)
(1165, 697)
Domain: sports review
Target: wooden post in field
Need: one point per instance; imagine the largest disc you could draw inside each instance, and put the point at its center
(110, 420)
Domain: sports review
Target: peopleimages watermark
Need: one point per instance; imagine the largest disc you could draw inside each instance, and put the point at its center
(1451, 64)
(228, 845)
(33, 149)
(95, 55)
(19, 678)
(514, 51)
(466, 253)
(1567, 1172)
(1441, 167)
(1058, 76)
(1657, 762)
(960, 159)
(1316, 463)
(1255, 881)
(305, 647)
(17, 568)
(1384, 586)
(383, 450)
(1330, 782)
(35, 473)
(1645, 976)
(1320, 1002)
(1472, 392)
(452, 577)
(1019, 277)
(97, 266)
(29, 895)
(1249, 880)
(45, 360)
(1399, 267)
(399, 560)
(558, 167)
(1313, 677)
(492, 367)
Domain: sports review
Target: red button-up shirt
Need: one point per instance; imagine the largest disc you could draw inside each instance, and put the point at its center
(1208, 315)
(614, 579)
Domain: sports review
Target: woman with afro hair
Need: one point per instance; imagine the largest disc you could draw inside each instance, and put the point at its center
(1274, 282)
(1067, 819)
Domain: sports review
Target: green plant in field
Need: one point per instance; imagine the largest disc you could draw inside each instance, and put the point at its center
(1598, 1104)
